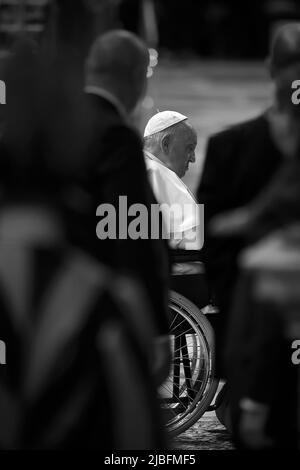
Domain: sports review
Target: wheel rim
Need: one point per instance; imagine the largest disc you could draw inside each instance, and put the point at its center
(189, 379)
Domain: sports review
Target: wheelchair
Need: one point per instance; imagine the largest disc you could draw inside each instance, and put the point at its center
(188, 391)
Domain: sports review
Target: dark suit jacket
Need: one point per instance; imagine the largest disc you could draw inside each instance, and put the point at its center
(116, 168)
(240, 162)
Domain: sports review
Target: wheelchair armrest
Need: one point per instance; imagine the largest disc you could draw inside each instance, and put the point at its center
(185, 256)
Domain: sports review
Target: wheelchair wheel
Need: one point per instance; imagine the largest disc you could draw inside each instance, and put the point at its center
(190, 387)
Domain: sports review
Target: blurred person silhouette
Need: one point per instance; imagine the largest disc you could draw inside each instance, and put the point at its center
(115, 84)
(239, 164)
(262, 382)
(79, 353)
(277, 204)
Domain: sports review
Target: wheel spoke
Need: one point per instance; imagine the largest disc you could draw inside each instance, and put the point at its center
(188, 390)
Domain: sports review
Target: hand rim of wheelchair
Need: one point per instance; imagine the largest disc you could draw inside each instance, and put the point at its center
(193, 396)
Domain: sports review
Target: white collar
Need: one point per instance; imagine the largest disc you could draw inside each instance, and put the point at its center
(153, 157)
(157, 160)
(96, 90)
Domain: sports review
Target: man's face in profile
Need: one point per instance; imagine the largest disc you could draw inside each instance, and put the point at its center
(182, 149)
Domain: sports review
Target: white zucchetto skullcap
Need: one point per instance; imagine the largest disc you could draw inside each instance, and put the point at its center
(163, 120)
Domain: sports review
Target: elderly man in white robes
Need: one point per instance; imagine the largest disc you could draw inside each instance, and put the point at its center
(169, 147)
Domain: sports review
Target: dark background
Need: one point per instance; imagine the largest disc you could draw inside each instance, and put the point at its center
(214, 28)
(207, 28)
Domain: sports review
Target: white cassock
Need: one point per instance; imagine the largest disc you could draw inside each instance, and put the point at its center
(181, 213)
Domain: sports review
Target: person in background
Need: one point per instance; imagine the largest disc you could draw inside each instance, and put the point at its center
(240, 163)
(262, 380)
(115, 84)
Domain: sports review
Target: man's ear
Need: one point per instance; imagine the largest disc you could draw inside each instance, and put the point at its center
(165, 144)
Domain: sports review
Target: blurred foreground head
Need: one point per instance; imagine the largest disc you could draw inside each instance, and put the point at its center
(118, 62)
(285, 48)
(284, 63)
(171, 138)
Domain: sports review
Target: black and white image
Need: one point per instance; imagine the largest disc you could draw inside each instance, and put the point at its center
(150, 227)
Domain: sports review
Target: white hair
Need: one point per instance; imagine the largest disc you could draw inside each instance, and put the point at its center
(155, 139)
